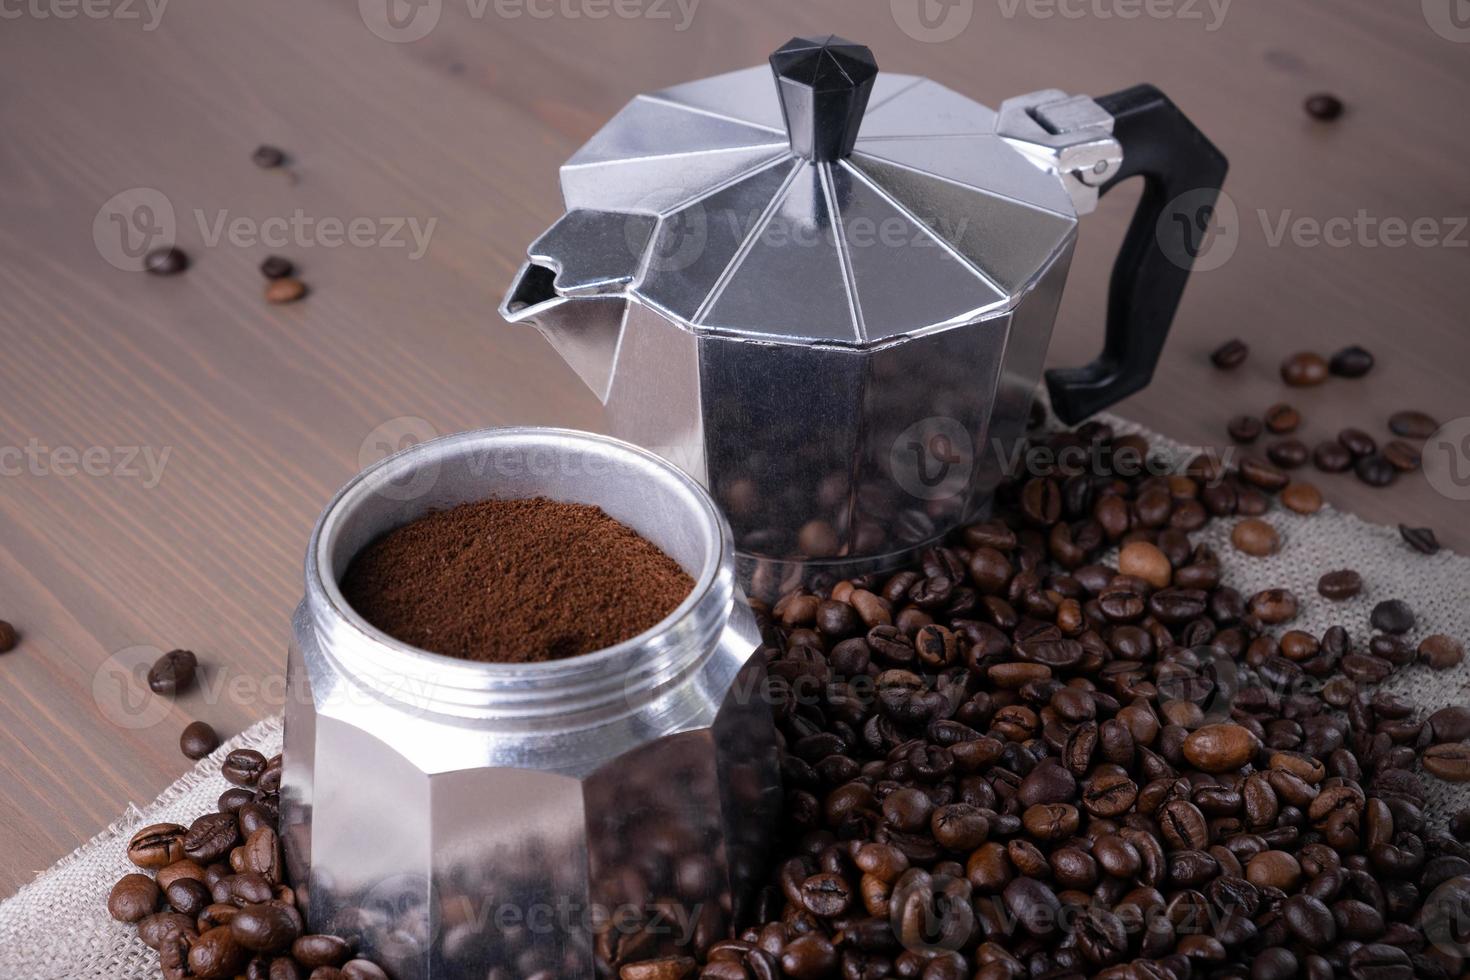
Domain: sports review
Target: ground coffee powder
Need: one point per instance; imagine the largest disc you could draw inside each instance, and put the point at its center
(514, 581)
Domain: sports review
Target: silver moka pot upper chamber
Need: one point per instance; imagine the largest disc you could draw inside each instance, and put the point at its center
(827, 293)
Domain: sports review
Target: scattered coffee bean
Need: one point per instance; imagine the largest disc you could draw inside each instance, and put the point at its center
(1331, 457)
(1288, 453)
(1449, 761)
(1375, 471)
(1351, 362)
(198, 740)
(1340, 585)
(1230, 355)
(1304, 370)
(1255, 537)
(1260, 473)
(1440, 652)
(1303, 498)
(1413, 424)
(173, 672)
(134, 897)
(169, 261)
(1245, 429)
(268, 157)
(8, 637)
(1357, 442)
(1282, 419)
(1393, 616)
(285, 290)
(1421, 539)
(1324, 107)
(277, 267)
(1450, 724)
(1404, 457)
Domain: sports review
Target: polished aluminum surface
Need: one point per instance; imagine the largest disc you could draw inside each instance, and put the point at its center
(843, 352)
(462, 818)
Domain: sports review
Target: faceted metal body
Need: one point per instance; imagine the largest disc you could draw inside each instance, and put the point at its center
(467, 819)
(843, 350)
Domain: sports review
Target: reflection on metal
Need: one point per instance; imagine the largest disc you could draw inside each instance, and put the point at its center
(464, 819)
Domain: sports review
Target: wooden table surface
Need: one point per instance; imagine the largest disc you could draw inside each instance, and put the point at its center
(167, 443)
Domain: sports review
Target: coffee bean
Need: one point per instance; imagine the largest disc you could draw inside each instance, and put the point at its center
(173, 672)
(1144, 560)
(277, 267)
(1282, 419)
(157, 845)
(1340, 585)
(1451, 724)
(243, 767)
(1230, 355)
(134, 897)
(1392, 616)
(1402, 456)
(1288, 453)
(1413, 424)
(1304, 498)
(1304, 369)
(216, 955)
(1245, 429)
(268, 157)
(1375, 471)
(7, 637)
(664, 968)
(1220, 748)
(321, 950)
(1324, 107)
(168, 261)
(1357, 442)
(1255, 537)
(1274, 606)
(153, 928)
(1274, 869)
(1421, 539)
(1351, 362)
(198, 740)
(287, 289)
(1440, 652)
(188, 896)
(1449, 761)
(211, 837)
(673, 968)
(1330, 457)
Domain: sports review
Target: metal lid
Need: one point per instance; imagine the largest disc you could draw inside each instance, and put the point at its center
(817, 201)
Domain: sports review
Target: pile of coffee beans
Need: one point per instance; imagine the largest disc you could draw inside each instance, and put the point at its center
(211, 898)
(1013, 760)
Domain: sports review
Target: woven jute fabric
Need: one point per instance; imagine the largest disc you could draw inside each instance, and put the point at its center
(57, 927)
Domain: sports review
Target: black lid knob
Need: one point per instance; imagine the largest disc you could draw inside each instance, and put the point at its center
(824, 84)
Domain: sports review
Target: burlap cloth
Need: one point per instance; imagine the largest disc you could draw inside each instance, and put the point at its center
(57, 927)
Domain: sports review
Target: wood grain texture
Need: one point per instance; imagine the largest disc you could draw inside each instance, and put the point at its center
(264, 411)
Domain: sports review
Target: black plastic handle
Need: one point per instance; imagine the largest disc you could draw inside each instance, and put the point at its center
(1183, 173)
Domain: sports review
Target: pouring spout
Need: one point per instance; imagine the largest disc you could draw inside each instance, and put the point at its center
(583, 329)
